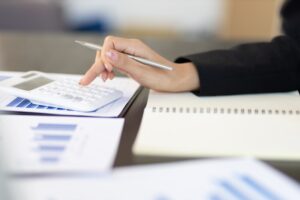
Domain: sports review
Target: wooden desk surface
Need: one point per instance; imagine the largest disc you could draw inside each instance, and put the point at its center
(58, 53)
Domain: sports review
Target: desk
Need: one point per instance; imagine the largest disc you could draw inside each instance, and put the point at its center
(49, 52)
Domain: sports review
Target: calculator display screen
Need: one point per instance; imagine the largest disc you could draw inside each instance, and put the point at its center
(33, 83)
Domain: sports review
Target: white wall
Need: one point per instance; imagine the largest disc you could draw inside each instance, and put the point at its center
(192, 16)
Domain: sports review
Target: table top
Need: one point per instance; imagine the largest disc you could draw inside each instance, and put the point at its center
(57, 52)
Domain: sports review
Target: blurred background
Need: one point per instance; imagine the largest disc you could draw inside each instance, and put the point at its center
(230, 18)
(39, 34)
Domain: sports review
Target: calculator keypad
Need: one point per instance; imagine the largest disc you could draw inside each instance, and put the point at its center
(69, 90)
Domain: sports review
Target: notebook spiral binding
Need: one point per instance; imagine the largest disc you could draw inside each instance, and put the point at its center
(216, 110)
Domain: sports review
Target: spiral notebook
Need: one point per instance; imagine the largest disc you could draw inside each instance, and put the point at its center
(265, 126)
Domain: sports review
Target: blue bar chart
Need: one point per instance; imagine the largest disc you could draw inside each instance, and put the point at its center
(19, 102)
(51, 144)
(55, 127)
(242, 187)
(51, 141)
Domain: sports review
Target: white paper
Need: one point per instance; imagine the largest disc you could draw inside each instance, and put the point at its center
(128, 86)
(281, 100)
(187, 133)
(42, 144)
(236, 179)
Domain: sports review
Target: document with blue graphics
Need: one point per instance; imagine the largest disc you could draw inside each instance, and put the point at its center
(43, 144)
(128, 86)
(228, 179)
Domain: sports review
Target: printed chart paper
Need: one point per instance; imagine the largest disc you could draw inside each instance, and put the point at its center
(42, 144)
(232, 179)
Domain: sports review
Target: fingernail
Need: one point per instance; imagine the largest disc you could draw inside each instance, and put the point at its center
(102, 77)
(108, 67)
(112, 55)
(80, 82)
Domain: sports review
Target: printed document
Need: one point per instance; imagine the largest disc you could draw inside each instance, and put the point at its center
(43, 144)
(232, 179)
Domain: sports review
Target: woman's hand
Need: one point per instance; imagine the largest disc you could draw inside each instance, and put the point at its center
(183, 77)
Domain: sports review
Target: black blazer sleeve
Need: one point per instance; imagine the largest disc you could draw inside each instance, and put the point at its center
(254, 68)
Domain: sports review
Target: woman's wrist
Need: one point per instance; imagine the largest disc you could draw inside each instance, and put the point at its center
(185, 77)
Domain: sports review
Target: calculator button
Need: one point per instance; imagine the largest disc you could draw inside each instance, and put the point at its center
(104, 93)
(106, 89)
(91, 98)
(78, 99)
(99, 94)
(99, 97)
(78, 94)
(67, 96)
(74, 96)
(94, 91)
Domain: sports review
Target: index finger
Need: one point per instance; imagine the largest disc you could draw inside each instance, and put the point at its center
(96, 69)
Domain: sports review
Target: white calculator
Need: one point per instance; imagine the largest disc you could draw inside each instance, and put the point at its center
(64, 93)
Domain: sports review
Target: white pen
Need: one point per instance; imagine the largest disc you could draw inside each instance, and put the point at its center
(139, 59)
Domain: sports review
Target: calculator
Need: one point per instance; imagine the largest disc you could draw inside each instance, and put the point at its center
(66, 93)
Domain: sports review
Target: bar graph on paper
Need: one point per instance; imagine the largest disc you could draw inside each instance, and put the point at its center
(234, 187)
(242, 187)
(38, 144)
(48, 146)
(51, 141)
(19, 104)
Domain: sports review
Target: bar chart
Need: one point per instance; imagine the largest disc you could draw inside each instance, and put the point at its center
(51, 140)
(233, 187)
(50, 144)
(19, 102)
(242, 187)
(226, 179)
